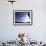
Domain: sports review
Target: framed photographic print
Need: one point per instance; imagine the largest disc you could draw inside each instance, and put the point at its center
(22, 17)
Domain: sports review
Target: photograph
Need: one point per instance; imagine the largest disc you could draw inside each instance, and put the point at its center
(22, 16)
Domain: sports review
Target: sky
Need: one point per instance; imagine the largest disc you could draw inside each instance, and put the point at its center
(22, 17)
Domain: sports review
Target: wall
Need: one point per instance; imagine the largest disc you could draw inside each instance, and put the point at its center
(37, 31)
